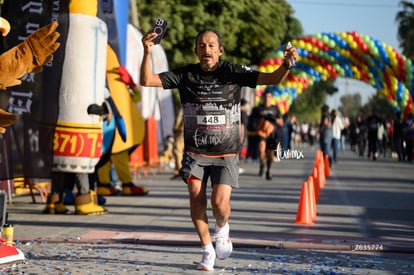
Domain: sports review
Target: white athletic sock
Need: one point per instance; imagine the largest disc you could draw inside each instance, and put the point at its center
(208, 247)
(224, 229)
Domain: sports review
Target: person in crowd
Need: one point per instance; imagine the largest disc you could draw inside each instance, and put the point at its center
(344, 134)
(398, 136)
(337, 126)
(243, 126)
(353, 136)
(270, 132)
(407, 137)
(304, 132)
(389, 128)
(325, 133)
(373, 122)
(312, 135)
(361, 132)
(252, 136)
(287, 130)
(409, 140)
(210, 93)
(381, 139)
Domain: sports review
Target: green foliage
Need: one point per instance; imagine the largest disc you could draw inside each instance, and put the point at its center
(306, 107)
(351, 105)
(382, 106)
(250, 29)
(405, 19)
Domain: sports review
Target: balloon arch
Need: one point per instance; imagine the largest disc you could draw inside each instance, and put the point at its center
(326, 56)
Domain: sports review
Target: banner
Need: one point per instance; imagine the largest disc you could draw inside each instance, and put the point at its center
(27, 147)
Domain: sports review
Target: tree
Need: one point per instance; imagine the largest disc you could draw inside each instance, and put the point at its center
(307, 105)
(405, 19)
(382, 105)
(351, 105)
(249, 29)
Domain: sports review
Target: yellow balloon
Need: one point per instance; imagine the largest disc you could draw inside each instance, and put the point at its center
(394, 62)
(308, 47)
(353, 45)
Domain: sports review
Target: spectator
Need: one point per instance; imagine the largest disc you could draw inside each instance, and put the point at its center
(373, 121)
(398, 136)
(325, 133)
(243, 127)
(252, 136)
(337, 127)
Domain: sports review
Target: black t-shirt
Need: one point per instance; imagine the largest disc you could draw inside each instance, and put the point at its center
(270, 113)
(211, 105)
(373, 123)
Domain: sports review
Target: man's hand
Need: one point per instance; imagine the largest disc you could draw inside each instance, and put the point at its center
(147, 40)
(291, 55)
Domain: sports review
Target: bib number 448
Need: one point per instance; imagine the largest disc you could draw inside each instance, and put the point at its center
(211, 120)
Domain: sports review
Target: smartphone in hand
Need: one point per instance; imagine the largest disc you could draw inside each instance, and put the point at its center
(292, 60)
(159, 27)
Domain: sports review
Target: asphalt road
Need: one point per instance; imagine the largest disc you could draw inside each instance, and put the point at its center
(364, 225)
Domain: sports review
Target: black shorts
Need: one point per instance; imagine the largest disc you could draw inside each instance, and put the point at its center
(221, 170)
(273, 139)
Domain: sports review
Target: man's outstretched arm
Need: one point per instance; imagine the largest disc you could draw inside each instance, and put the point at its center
(147, 77)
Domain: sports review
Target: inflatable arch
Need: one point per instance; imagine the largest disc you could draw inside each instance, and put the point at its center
(326, 56)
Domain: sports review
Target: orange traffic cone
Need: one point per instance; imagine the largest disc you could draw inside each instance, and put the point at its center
(321, 173)
(304, 214)
(314, 179)
(319, 156)
(327, 167)
(312, 198)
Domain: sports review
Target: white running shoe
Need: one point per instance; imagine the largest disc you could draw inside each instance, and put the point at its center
(224, 246)
(207, 261)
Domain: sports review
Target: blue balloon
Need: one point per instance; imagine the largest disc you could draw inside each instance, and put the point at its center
(382, 52)
(399, 92)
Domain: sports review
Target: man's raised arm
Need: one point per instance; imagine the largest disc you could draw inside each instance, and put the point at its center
(147, 77)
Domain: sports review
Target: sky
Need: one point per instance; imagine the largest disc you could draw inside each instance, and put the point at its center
(375, 18)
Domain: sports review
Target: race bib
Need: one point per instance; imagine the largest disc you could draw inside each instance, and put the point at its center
(211, 118)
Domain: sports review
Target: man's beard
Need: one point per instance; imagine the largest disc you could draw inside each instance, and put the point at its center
(208, 66)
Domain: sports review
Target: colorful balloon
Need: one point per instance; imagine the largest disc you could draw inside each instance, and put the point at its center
(326, 56)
